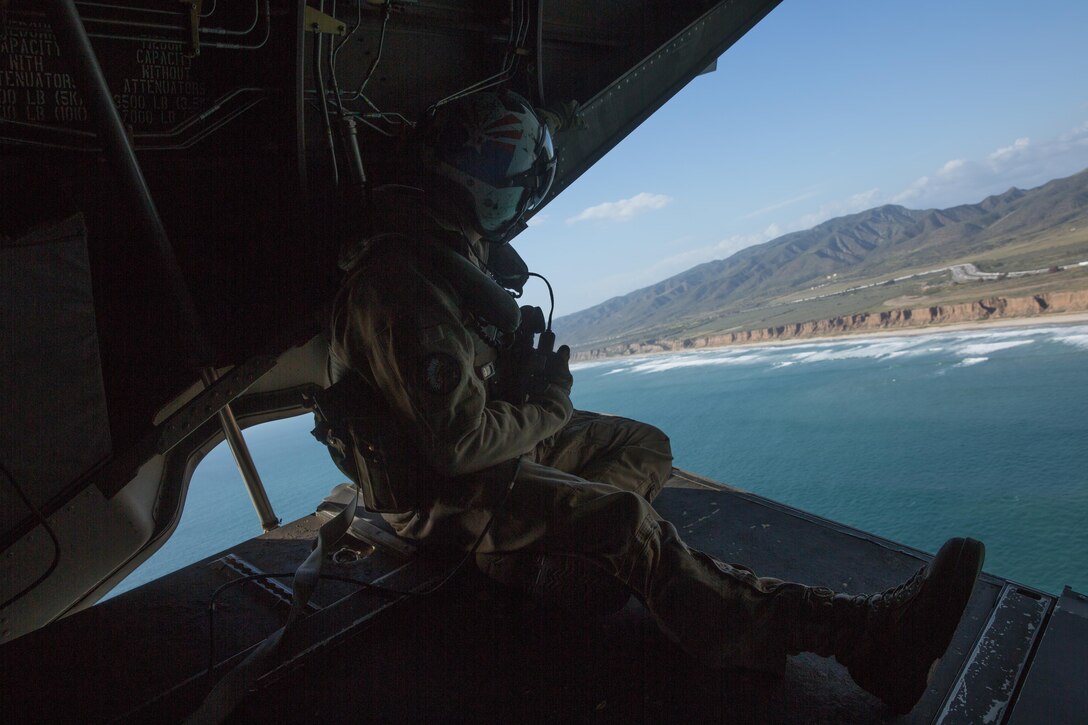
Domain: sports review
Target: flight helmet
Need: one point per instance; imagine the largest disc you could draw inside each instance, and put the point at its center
(491, 157)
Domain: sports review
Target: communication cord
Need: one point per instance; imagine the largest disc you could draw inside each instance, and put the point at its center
(551, 296)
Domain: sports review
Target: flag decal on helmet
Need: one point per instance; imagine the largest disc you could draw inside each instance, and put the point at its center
(507, 127)
(493, 157)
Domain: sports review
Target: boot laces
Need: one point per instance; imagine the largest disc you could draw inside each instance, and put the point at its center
(896, 596)
(839, 624)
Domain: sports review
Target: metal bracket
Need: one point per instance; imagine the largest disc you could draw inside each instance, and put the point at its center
(211, 400)
(194, 26)
(315, 21)
(279, 592)
(377, 537)
(362, 527)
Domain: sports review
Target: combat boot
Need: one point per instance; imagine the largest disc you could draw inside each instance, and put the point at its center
(891, 641)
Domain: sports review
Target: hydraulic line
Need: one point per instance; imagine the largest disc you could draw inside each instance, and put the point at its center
(378, 54)
(540, 53)
(319, 80)
(159, 26)
(348, 37)
(332, 80)
(247, 31)
(127, 8)
(510, 63)
(203, 43)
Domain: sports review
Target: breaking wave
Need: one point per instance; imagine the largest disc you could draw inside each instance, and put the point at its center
(1076, 340)
(674, 362)
(983, 348)
(967, 347)
(587, 364)
(879, 351)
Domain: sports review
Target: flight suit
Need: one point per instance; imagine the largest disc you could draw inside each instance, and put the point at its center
(584, 482)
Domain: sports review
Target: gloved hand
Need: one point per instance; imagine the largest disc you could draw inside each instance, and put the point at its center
(557, 368)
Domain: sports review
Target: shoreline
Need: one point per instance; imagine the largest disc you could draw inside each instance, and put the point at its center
(1057, 318)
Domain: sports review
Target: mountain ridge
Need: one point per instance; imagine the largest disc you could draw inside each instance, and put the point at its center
(884, 240)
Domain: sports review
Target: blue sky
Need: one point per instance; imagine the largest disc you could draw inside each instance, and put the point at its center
(823, 109)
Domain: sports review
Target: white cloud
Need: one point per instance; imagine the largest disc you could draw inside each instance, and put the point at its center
(1022, 163)
(623, 209)
(1004, 153)
(958, 181)
(1075, 136)
(678, 241)
(916, 189)
(952, 166)
(538, 219)
(854, 203)
(780, 205)
(682, 261)
(622, 283)
(721, 249)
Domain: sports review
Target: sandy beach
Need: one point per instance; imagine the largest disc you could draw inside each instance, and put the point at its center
(1058, 318)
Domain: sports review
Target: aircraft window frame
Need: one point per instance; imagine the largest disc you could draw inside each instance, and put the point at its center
(265, 433)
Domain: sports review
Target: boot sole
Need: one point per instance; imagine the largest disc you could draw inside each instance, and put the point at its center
(953, 571)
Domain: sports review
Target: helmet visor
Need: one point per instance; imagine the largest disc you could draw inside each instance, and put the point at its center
(545, 165)
(537, 180)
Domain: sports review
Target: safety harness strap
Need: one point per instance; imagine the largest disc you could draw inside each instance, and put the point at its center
(235, 685)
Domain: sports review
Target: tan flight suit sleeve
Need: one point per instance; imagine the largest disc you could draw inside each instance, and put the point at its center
(411, 334)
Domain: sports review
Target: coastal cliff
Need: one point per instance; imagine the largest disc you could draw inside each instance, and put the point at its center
(991, 308)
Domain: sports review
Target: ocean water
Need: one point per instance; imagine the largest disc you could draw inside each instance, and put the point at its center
(981, 433)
